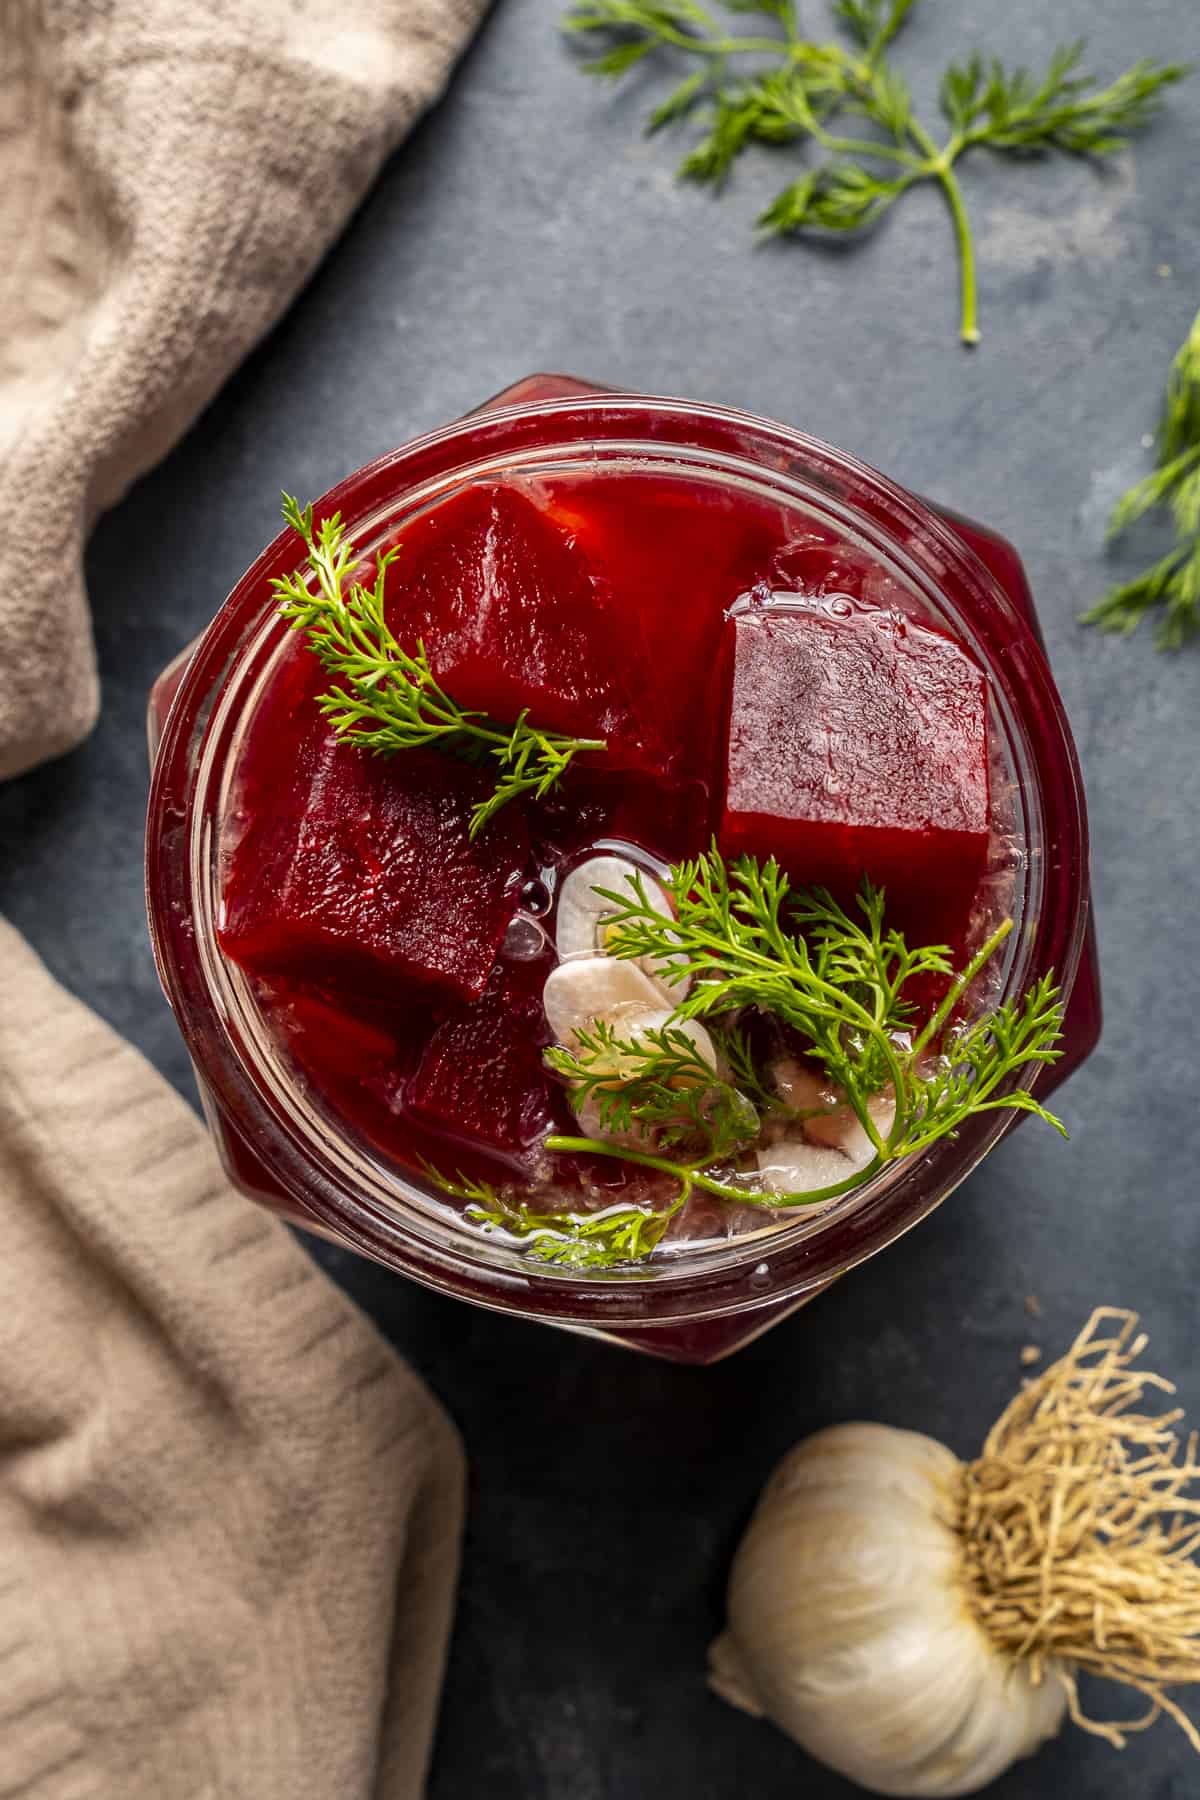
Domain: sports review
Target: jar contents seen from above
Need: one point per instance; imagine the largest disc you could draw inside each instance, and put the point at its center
(628, 860)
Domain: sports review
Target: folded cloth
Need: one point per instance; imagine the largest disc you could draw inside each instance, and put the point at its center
(170, 174)
(229, 1517)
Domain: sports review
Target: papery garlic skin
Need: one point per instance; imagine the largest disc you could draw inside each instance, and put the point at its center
(850, 1628)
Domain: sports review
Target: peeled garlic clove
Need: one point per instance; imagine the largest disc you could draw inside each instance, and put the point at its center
(799, 1087)
(842, 1131)
(663, 1020)
(834, 1144)
(583, 914)
(796, 1167)
(597, 987)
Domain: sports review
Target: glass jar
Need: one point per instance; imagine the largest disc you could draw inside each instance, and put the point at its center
(279, 1151)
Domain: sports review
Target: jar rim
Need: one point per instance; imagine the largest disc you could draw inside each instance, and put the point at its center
(673, 429)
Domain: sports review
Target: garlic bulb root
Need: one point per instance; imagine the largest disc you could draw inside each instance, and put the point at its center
(1080, 1537)
(918, 1623)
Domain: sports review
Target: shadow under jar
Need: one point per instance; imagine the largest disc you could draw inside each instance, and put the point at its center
(286, 1141)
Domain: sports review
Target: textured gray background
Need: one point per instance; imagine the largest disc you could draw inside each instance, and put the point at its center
(526, 225)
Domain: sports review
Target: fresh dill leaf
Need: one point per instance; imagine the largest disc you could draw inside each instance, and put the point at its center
(973, 1064)
(1180, 428)
(679, 103)
(648, 24)
(575, 1240)
(387, 699)
(784, 10)
(731, 130)
(776, 87)
(1010, 109)
(734, 1049)
(958, 93)
(872, 23)
(835, 197)
(740, 941)
(891, 101)
(747, 940)
(1175, 483)
(1172, 585)
(621, 57)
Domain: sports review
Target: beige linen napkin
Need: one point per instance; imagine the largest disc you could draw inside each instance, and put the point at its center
(229, 1518)
(171, 171)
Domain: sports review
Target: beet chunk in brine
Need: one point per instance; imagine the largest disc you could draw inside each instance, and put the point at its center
(858, 745)
(360, 871)
(513, 621)
(481, 1075)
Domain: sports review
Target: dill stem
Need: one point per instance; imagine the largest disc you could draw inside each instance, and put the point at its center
(962, 982)
(719, 47)
(968, 328)
(721, 1189)
(941, 167)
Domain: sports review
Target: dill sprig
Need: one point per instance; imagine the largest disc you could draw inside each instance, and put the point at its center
(797, 89)
(747, 941)
(1173, 583)
(613, 1237)
(387, 698)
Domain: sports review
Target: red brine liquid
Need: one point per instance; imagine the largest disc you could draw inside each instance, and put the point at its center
(763, 675)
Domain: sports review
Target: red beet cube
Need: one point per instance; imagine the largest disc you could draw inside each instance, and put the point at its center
(674, 556)
(512, 619)
(328, 1040)
(358, 870)
(481, 1076)
(858, 745)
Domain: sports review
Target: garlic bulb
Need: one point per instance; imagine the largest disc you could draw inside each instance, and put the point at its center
(848, 1625)
(918, 1623)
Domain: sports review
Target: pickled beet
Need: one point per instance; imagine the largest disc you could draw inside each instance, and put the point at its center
(858, 745)
(328, 1041)
(361, 869)
(482, 1077)
(675, 555)
(512, 619)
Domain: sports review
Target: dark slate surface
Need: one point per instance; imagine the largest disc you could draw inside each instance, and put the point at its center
(529, 225)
